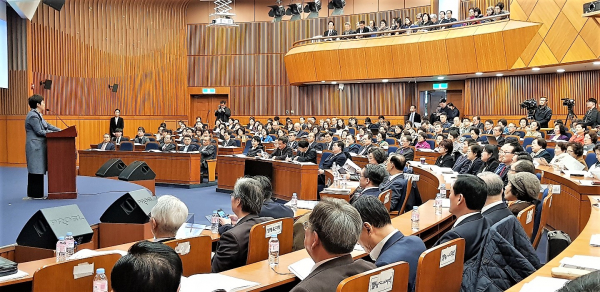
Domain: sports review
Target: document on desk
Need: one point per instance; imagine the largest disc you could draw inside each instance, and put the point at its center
(212, 282)
(302, 268)
(545, 284)
(595, 240)
(88, 253)
(18, 275)
(239, 155)
(589, 263)
(302, 204)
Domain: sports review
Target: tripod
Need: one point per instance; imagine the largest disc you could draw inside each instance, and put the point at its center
(570, 115)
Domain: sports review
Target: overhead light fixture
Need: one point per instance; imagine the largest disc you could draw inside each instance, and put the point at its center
(535, 69)
(222, 15)
(560, 70)
(323, 81)
(312, 8)
(385, 81)
(334, 82)
(479, 73)
(277, 11)
(440, 78)
(499, 75)
(337, 6)
(596, 63)
(294, 10)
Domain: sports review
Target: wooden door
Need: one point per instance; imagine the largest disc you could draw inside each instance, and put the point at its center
(455, 97)
(204, 106)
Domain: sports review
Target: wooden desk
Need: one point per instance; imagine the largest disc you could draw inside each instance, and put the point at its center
(136, 147)
(171, 168)
(288, 178)
(430, 157)
(580, 246)
(360, 160)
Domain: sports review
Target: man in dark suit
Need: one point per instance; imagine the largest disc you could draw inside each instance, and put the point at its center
(488, 128)
(362, 29)
(467, 197)
(462, 159)
(494, 209)
(223, 112)
(116, 122)
(187, 145)
(347, 31)
(448, 18)
(413, 116)
(478, 124)
(246, 203)
(283, 151)
(384, 243)
(543, 114)
(405, 149)
(330, 29)
(328, 144)
(118, 138)
(208, 151)
(271, 208)
(168, 144)
(330, 252)
(106, 144)
(168, 215)
(141, 136)
(505, 156)
(499, 136)
(312, 144)
(292, 143)
(227, 141)
(396, 182)
(367, 143)
(371, 176)
(305, 153)
(590, 119)
(336, 157)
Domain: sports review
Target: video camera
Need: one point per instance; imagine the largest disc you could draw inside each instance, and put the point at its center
(530, 105)
(568, 102)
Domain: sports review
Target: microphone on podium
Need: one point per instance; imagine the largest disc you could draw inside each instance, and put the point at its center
(48, 110)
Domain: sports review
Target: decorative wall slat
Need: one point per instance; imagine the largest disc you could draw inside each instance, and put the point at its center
(17, 64)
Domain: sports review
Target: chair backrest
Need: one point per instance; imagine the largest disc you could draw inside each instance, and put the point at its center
(352, 131)
(431, 143)
(543, 219)
(386, 199)
(59, 276)
(526, 217)
(324, 155)
(152, 139)
(515, 137)
(392, 149)
(362, 281)
(335, 137)
(152, 145)
(551, 151)
(195, 254)
(258, 245)
(273, 136)
(466, 136)
(527, 141)
(248, 146)
(590, 159)
(407, 195)
(238, 142)
(126, 146)
(569, 134)
(520, 133)
(429, 135)
(432, 269)
(528, 149)
(391, 141)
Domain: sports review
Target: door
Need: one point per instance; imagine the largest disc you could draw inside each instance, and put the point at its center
(204, 106)
(430, 101)
(455, 97)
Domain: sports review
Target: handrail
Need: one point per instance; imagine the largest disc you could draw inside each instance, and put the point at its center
(505, 17)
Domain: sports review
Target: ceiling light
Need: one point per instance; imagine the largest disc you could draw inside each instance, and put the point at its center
(560, 70)
(596, 63)
(479, 73)
(499, 75)
(535, 69)
(440, 78)
(384, 80)
(333, 82)
(323, 81)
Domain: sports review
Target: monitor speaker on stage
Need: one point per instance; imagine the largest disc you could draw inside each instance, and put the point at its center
(138, 170)
(47, 225)
(133, 207)
(111, 168)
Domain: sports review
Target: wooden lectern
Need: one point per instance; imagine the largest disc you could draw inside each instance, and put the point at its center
(62, 164)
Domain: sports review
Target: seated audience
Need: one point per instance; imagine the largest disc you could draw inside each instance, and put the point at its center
(232, 247)
(332, 230)
(396, 182)
(498, 134)
(381, 136)
(405, 149)
(534, 130)
(167, 144)
(367, 143)
(521, 191)
(227, 140)
(523, 125)
(330, 29)
(538, 150)
(461, 160)
(337, 157)
(589, 141)
(489, 156)
(422, 142)
(467, 197)
(305, 153)
(141, 138)
(269, 207)
(283, 151)
(474, 161)
(328, 141)
(596, 165)
(507, 152)
(446, 159)
(384, 243)
(187, 145)
(265, 136)
(119, 136)
(371, 176)
(560, 133)
(166, 217)
(494, 209)
(576, 151)
(348, 29)
(256, 148)
(106, 143)
(362, 28)
(475, 136)
(512, 130)
(147, 267)
(560, 152)
(351, 146)
(377, 156)
(579, 135)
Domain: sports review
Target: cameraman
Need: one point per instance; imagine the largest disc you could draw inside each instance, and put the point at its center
(591, 116)
(223, 113)
(543, 114)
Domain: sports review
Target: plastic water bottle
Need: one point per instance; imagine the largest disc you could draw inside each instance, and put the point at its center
(438, 204)
(414, 218)
(273, 251)
(336, 175)
(100, 281)
(61, 250)
(294, 203)
(70, 241)
(443, 190)
(214, 223)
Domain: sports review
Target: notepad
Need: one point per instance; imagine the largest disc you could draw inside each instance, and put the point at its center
(212, 282)
(545, 284)
(595, 240)
(302, 268)
(589, 263)
(18, 275)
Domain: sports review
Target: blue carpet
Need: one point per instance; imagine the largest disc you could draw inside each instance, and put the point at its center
(95, 195)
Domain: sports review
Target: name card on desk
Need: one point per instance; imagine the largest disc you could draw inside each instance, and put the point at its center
(382, 282)
(83, 270)
(274, 228)
(447, 256)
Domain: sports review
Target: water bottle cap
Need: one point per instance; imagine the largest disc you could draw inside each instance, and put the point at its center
(69, 233)
(215, 212)
(273, 235)
(415, 208)
(61, 238)
(100, 271)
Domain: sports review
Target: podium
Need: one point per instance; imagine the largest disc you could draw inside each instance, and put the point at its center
(62, 164)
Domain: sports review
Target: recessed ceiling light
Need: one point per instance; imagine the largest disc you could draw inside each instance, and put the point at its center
(479, 73)
(323, 81)
(440, 78)
(499, 75)
(385, 81)
(596, 63)
(535, 69)
(560, 70)
(333, 82)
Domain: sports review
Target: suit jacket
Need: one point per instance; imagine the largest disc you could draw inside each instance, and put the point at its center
(417, 118)
(398, 186)
(489, 166)
(293, 145)
(339, 159)
(231, 142)
(364, 150)
(142, 140)
(518, 207)
(232, 249)
(254, 152)
(299, 232)
(367, 192)
(192, 147)
(309, 156)
(500, 141)
(120, 124)
(496, 213)
(473, 229)
(408, 153)
(354, 148)
(487, 132)
(364, 30)
(460, 162)
(544, 154)
(282, 154)
(445, 161)
(327, 146)
(109, 146)
(36, 129)
(208, 152)
(117, 141)
(316, 146)
(275, 210)
(333, 32)
(591, 118)
(471, 167)
(402, 248)
(168, 147)
(224, 115)
(328, 276)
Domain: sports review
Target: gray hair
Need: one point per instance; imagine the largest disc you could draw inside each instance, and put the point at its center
(494, 183)
(170, 213)
(337, 224)
(432, 15)
(249, 191)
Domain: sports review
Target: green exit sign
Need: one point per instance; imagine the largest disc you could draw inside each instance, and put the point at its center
(208, 90)
(440, 86)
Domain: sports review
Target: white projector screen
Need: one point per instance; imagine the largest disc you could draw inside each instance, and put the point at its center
(3, 47)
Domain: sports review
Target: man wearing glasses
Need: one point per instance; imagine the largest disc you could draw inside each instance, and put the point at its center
(367, 140)
(498, 135)
(506, 154)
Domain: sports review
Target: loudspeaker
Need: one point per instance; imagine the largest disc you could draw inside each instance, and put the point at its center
(591, 7)
(56, 4)
(115, 87)
(112, 168)
(47, 84)
(138, 170)
(133, 207)
(47, 225)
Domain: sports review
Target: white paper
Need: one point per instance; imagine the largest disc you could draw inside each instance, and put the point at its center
(351, 167)
(383, 282)
(211, 282)
(188, 230)
(425, 150)
(448, 256)
(183, 248)
(575, 172)
(590, 263)
(545, 284)
(274, 228)
(302, 204)
(83, 270)
(556, 189)
(19, 274)
(585, 182)
(87, 253)
(595, 240)
(529, 216)
(302, 268)
(358, 247)
(445, 203)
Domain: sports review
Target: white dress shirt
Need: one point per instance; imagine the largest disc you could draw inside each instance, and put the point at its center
(463, 217)
(487, 207)
(376, 251)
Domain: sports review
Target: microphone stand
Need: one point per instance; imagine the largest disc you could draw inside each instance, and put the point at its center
(57, 116)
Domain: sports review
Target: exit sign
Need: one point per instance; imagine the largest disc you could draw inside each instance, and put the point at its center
(440, 86)
(208, 91)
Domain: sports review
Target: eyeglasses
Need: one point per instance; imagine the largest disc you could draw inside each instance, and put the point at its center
(306, 225)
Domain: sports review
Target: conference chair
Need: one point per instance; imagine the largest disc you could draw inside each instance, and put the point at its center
(385, 198)
(195, 254)
(247, 147)
(392, 149)
(466, 136)
(526, 217)
(590, 159)
(406, 197)
(527, 141)
(148, 134)
(352, 131)
(374, 140)
(391, 141)
(362, 281)
(258, 242)
(273, 136)
(543, 219)
(336, 137)
(126, 146)
(528, 149)
(551, 151)
(152, 146)
(59, 276)
(431, 143)
(238, 143)
(429, 136)
(515, 137)
(152, 139)
(521, 133)
(432, 276)
(569, 134)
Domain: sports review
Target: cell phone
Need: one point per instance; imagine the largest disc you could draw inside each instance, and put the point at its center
(222, 214)
(596, 183)
(342, 171)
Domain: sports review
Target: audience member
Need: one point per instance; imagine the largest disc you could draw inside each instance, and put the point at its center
(590, 119)
(118, 138)
(256, 147)
(405, 149)
(589, 141)
(522, 166)
(560, 133)
(396, 181)
(596, 166)
(166, 218)
(498, 134)
(506, 158)
(283, 151)
(371, 177)
(292, 143)
(522, 190)
(337, 157)
(269, 207)
(446, 159)
(461, 160)
(489, 156)
(494, 209)
(106, 143)
(367, 143)
(305, 153)
(422, 142)
(227, 140)
(208, 152)
(576, 151)
(141, 136)
(474, 161)
(330, 29)
(167, 144)
(560, 153)
(538, 150)
(187, 145)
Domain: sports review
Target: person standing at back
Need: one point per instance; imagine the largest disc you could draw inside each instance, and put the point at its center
(116, 122)
(223, 112)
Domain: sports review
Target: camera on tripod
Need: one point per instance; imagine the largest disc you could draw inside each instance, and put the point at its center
(570, 103)
(530, 105)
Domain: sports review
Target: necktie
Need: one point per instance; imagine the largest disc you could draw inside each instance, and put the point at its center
(412, 117)
(103, 146)
(185, 148)
(500, 168)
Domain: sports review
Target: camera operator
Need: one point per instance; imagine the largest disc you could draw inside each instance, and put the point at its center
(223, 113)
(591, 116)
(543, 114)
